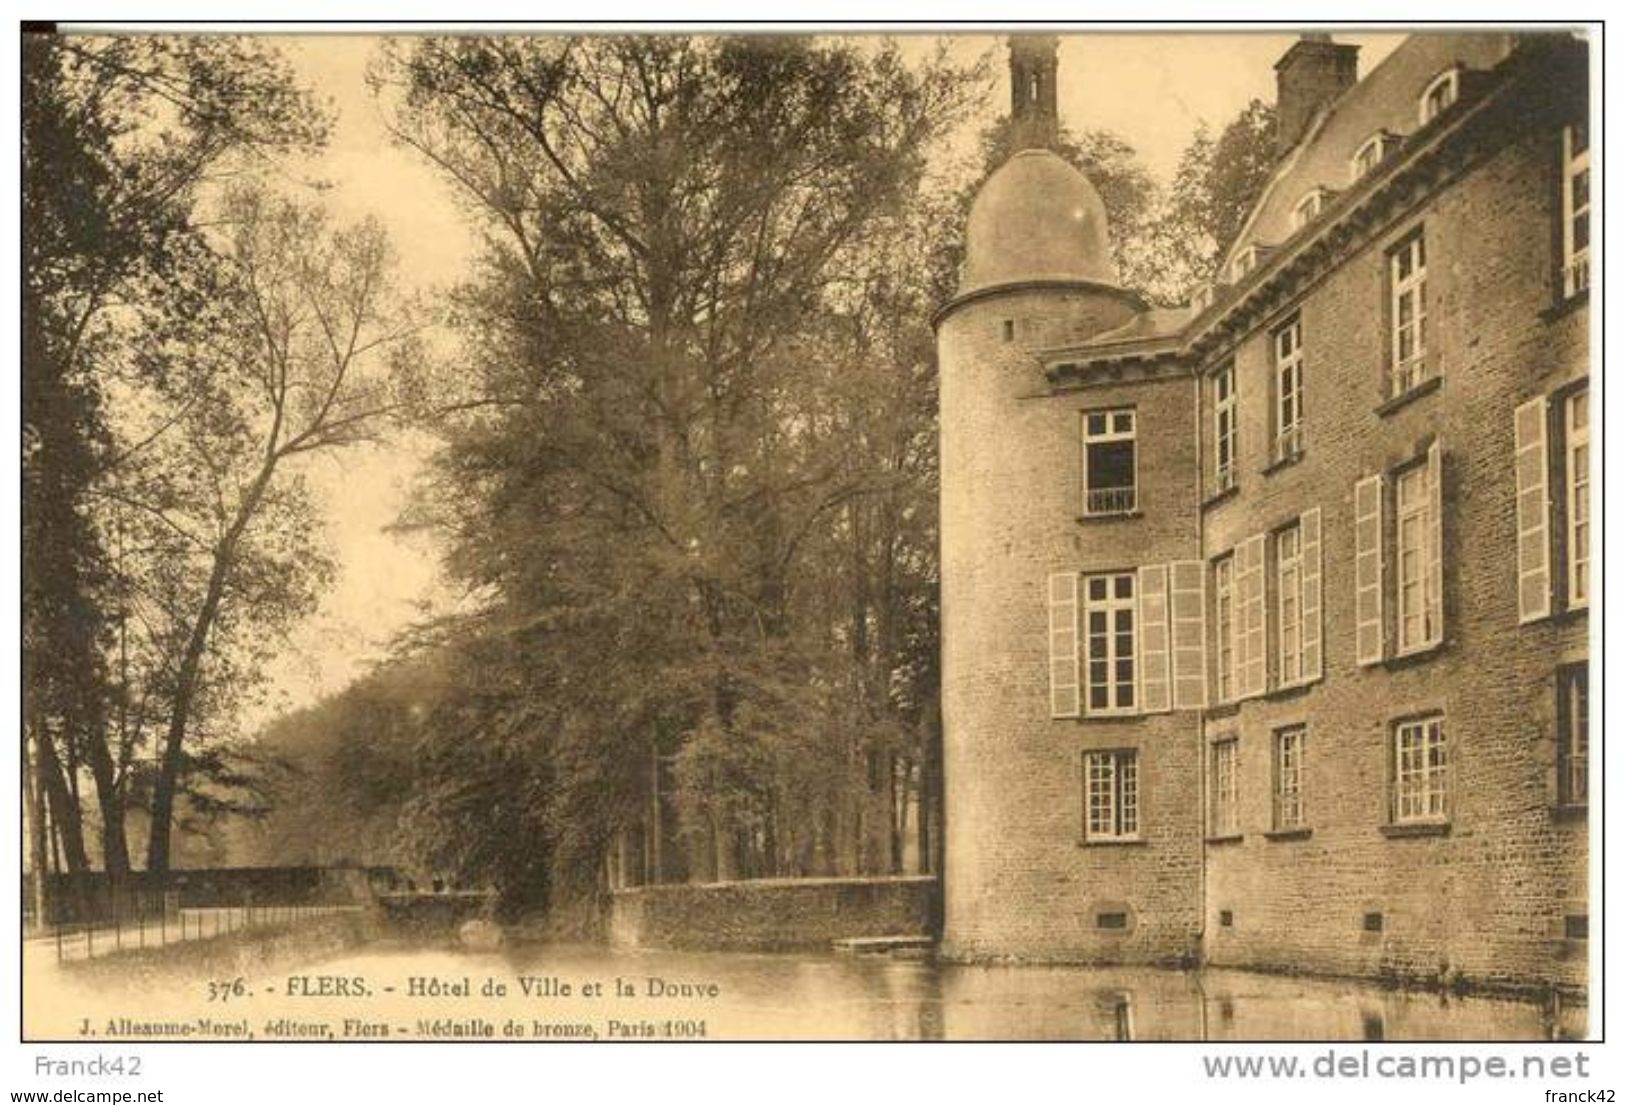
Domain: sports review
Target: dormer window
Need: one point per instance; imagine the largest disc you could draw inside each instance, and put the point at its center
(1309, 208)
(1371, 153)
(1202, 299)
(1439, 95)
(1246, 261)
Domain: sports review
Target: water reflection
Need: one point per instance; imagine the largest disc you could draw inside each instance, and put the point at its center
(871, 998)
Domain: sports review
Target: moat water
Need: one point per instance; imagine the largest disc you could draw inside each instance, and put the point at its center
(543, 991)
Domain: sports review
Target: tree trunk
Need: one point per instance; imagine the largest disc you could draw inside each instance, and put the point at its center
(169, 770)
(38, 851)
(64, 812)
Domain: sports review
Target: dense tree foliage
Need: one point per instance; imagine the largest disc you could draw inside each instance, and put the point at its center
(692, 472)
(119, 135)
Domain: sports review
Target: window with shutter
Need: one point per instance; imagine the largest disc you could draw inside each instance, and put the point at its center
(1250, 615)
(1224, 626)
(1434, 543)
(1289, 605)
(1063, 644)
(1531, 469)
(1577, 497)
(1368, 570)
(1155, 673)
(1309, 529)
(1188, 631)
(1110, 643)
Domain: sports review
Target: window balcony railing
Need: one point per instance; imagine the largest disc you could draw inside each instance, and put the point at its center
(1577, 276)
(1409, 374)
(1108, 500)
(1289, 443)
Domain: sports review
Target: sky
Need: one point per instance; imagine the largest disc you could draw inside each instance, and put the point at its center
(1153, 89)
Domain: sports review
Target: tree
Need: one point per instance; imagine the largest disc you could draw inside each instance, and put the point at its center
(679, 234)
(1214, 189)
(118, 135)
(302, 349)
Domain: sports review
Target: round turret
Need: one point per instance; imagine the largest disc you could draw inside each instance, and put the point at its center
(1036, 219)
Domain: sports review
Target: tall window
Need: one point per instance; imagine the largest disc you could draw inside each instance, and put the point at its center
(1108, 610)
(1111, 783)
(1289, 603)
(1573, 735)
(1289, 390)
(1439, 95)
(1419, 608)
(1289, 751)
(1108, 462)
(1577, 497)
(1576, 209)
(1225, 796)
(1420, 771)
(1224, 427)
(1407, 283)
(1224, 613)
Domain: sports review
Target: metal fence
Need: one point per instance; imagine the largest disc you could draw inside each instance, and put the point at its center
(137, 928)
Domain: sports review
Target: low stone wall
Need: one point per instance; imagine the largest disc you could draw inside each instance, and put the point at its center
(771, 914)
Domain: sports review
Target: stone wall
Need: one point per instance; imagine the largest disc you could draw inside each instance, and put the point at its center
(1485, 897)
(1022, 882)
(770, 914)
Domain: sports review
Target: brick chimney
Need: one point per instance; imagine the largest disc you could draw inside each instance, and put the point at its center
(1310, 75)
(1034, 120)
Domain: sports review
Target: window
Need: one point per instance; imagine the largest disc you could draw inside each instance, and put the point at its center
(1551, 465)
(1224, 427)
(1289, 390)
(1414, 561)
(1371, 153)
(1225, 805)
(1112, 795)
(1224, 614)
(1289, 749)
(1439, 95)
(1289, 604)
(1576, 210)
(1108, 462)
(1420, 771)
(1577, 494)
(1418, 605)
(1573, 735)
(1108, 611)
(1407, 306)
(1246, 261)
(1309, 208)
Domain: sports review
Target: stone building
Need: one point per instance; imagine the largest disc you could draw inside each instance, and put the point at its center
(1265, 631)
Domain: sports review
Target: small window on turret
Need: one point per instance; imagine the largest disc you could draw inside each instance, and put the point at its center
(1009, 329)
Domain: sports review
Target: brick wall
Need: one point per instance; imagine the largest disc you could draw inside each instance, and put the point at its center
(1485, 902)
(1020, 883)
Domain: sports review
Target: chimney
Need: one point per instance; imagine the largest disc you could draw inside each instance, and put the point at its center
(1310, 75)
(1033, 118)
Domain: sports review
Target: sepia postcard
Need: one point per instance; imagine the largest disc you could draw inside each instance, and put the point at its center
(1047, 533)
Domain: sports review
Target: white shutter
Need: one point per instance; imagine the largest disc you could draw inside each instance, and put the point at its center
(1250, 615)
(1368, 570)
(1063, 644)
(1187, 604)
(1434, 591)
(1154, 657)
(1310, 577)
(1533, 468)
